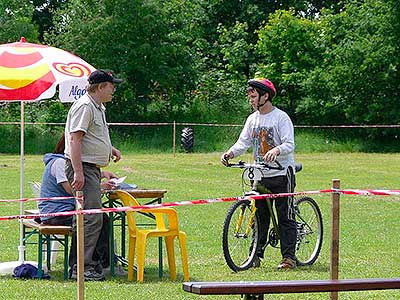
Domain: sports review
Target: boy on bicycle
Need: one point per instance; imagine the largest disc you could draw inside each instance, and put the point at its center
(270, 131)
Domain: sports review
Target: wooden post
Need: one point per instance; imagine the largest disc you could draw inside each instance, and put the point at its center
(80, 246)
(174, 139)
(335, 235)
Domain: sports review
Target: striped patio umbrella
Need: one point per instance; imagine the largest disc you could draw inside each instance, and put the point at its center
(31, 72)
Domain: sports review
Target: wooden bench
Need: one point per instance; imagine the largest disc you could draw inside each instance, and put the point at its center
(46, 235)
(253, 290)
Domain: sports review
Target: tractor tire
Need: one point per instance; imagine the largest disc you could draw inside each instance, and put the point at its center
(187, 139)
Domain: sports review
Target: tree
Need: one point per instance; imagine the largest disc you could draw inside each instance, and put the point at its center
(337, 68)
(287, 51)
(227, 58)
(145, 42)
(43, 14)
(359, 74)
(15, 21)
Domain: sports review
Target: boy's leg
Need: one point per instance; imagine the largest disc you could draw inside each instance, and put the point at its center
(263, 226)
(285, 214)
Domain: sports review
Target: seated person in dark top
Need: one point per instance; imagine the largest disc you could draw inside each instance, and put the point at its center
(55, 184)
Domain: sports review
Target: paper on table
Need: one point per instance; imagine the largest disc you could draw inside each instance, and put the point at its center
(117, 181)
(121, 185)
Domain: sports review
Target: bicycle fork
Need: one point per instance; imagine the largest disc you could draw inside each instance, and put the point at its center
(249, 224)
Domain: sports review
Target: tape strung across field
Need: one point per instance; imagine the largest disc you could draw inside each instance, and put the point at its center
(36, 199)
(191, 202)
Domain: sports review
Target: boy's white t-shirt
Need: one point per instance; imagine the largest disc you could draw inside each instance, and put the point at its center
(264, 132)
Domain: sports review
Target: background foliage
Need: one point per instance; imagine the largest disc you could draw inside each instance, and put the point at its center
(332, 62)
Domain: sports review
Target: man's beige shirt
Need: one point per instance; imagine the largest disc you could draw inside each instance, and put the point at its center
(88, 116)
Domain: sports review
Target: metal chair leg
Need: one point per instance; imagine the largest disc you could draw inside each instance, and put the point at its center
(40, 255)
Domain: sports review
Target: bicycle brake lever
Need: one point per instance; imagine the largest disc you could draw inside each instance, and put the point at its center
(279, 165)
(239, 163)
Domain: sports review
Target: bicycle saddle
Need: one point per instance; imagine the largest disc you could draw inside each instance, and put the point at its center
(298, 167)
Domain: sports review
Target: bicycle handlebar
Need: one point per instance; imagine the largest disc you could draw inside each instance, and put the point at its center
(262, 166)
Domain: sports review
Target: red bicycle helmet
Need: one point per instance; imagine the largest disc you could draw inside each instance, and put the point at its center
(264, 85)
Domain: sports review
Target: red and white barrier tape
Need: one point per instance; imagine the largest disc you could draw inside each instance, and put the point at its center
(254, 197)
(257, 197)
(36, 199)
(371, 192)
(202, 201)
(152, 206)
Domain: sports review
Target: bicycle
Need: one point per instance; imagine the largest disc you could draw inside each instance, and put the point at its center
(241, 230)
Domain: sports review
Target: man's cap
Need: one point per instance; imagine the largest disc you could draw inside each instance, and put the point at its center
(100, 76)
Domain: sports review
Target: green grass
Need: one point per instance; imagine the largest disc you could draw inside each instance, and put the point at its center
(369, 236)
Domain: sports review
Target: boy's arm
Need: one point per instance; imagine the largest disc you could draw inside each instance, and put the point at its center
(244, 141)
(287, 136)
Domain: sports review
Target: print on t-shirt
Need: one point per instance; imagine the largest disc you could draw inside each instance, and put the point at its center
(263, 141)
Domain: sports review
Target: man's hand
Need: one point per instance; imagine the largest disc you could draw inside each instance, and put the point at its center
(79, 181)
(116, 154)
(225, 157)
(107, 185)
(75, 142)
(271, 155)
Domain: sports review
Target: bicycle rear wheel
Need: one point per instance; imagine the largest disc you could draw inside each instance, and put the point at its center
(309, 231)
(240, 236)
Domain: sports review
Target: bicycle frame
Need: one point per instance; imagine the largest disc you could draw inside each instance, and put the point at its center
(241, 231)
(262, 190)
(250, 171)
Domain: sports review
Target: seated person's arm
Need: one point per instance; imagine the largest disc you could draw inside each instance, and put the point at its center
(108, 175)
(67, 187)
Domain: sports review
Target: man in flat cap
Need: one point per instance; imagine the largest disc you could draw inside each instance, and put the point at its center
(88, 149)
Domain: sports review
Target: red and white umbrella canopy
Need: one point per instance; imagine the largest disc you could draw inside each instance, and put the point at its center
(30, 72)
(33, 71)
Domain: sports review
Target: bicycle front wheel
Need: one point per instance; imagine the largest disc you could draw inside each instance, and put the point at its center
(309, 231)
(240, 235)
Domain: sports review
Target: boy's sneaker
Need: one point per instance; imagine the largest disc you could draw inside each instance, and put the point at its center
(287, 263)
(89, 275)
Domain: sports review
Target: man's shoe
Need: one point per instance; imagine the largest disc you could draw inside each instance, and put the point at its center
(89, 275)
(118, 270)
(287, 263)
(92, 275)
(98, 268)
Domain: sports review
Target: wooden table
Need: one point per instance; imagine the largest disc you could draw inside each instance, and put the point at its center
(155, 196)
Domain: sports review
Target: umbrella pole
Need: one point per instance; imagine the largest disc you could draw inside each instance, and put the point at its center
(7, 268)
(21, 248)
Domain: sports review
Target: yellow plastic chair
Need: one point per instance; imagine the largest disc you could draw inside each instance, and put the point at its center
(138, 237)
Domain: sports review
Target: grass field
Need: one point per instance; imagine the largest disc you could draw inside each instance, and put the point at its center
(369, 238)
